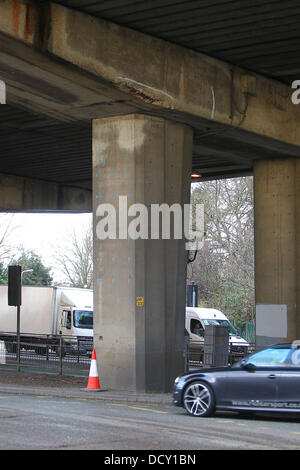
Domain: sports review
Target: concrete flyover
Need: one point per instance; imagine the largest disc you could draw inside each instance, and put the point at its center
(158, 110)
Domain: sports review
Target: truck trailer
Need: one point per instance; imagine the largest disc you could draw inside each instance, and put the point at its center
(59, 318)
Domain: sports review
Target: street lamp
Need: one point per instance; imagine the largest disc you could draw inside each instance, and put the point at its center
(26, 271)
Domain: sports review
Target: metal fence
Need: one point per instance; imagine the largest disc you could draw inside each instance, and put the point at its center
(60, 354)
(72, 355)
(195, 358)
(246, 330)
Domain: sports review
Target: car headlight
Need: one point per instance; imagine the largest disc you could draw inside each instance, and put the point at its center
(176, 380)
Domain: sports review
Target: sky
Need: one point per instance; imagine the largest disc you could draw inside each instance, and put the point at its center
(43, 232)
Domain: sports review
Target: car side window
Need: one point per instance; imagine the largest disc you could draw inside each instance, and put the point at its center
(270, 357)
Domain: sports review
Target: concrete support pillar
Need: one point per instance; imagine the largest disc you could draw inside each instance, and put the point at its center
(139, 285)
(277, 250)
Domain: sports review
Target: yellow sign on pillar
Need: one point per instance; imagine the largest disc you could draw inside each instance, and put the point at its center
(140, 301)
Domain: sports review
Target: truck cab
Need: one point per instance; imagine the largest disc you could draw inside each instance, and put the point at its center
(75, 320)
(196, 319)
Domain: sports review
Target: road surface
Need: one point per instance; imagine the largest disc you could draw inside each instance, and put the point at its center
(45, 422)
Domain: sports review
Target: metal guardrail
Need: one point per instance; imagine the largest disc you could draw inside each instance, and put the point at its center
(48, 353)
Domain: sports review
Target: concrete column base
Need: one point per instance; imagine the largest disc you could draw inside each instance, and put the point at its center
(139, 285)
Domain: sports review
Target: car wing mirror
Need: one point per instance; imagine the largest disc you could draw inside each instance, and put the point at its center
(247, 365)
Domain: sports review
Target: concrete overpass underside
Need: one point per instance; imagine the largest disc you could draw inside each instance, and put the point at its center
(97, 109)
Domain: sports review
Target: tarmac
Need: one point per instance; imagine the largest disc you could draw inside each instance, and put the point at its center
(66, 386)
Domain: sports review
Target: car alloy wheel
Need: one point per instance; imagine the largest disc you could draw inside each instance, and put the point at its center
(198, 399)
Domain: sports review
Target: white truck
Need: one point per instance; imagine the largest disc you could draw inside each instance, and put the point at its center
(59, 318)
(197, 318)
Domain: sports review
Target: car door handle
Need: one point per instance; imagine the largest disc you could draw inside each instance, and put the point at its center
(272, 376)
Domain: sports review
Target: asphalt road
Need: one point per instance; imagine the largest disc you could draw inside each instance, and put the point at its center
(45, 422)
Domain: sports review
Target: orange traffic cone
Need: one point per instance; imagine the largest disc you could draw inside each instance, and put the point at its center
(93, 382)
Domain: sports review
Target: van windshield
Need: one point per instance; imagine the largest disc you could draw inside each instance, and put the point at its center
(83, 319)
(232, 330)
(209, 322)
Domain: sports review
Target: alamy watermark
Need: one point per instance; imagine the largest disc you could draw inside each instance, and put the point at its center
(2, 92)
(295, 358)
(160, 221)
(296, 94)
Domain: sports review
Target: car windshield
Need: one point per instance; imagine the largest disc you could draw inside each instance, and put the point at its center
(232, 330)
(270, 357)
(83, 319)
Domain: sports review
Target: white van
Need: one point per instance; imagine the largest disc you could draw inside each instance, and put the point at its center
(201, 317)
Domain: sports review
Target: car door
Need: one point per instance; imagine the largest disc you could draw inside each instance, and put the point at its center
(264, 378)
(289, 383)
(248, 387)
(289, 388)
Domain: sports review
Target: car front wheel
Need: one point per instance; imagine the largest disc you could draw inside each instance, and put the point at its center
(198, 399)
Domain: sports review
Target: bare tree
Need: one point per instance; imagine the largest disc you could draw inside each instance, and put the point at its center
(75, 258)
(7, 227)
(224, 268)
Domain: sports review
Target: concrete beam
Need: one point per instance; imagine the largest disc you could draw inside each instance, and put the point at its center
(154, 75)
(19, 194)
(172, 77)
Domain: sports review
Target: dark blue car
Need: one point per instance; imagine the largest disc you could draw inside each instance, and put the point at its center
(268, 380)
